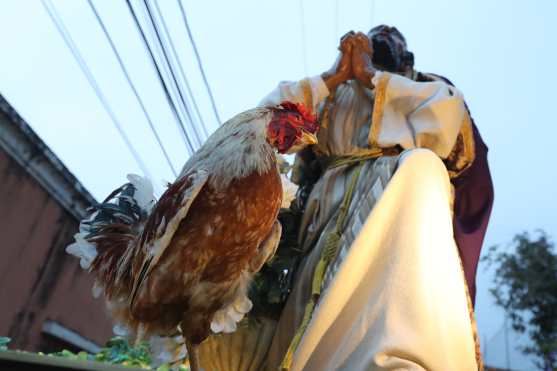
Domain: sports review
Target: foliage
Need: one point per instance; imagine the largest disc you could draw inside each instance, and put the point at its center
(117, 351)
(525, 285)
(4, 342)
(272, 283)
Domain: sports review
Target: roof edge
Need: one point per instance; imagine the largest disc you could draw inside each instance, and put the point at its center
(28, 149)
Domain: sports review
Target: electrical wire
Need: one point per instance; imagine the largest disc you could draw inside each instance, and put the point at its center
(372, 14)
(132, 86)
(158, 48)
(158, 59)
(164, 86)
(161, 37)
(199, 62)
(181, 70)
(54, 16)
(336, 16)
(166, 58)
(303, 36)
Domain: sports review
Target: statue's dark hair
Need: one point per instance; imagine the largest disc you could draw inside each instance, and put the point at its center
(395, 30)
(408, 59)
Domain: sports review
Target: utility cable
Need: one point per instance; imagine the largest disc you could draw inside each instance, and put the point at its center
(53, 14)
(181, 70)
(199, 62)
(172, 73)
(132, 86)
(171, 103)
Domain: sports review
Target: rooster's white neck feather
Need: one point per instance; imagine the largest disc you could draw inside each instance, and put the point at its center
(235, 150)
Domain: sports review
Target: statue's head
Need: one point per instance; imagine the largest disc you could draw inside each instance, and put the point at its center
(390, 52)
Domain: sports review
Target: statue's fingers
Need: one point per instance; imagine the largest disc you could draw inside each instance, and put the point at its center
(364, 42)
(346, 44)
(347, 35)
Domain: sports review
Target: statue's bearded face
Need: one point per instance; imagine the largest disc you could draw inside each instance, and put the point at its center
(389, 49)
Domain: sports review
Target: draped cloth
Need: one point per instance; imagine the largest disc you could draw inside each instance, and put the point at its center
(395, 295)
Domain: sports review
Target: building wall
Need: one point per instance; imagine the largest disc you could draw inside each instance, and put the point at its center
(44, 295)
(38, 280)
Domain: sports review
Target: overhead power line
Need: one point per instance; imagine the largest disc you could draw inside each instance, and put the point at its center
(303, 36)
(174, 80)
(53, 14)
(181, 70)
(199, 62)
(372, 15)
(132, 86)
(336, 16)
(164, 86)
(156, 47)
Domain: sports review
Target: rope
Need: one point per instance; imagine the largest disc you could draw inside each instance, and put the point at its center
(337, 161)
(329, 252)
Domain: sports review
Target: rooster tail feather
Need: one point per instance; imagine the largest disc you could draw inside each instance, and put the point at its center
(106, 237)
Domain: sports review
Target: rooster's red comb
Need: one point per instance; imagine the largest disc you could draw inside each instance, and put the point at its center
(309, 120)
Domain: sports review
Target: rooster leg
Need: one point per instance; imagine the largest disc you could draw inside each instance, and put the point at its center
(267, 248)
(193, 356)
(140, 334)
(195, 328)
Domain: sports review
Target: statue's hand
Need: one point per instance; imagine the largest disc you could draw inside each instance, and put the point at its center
(362, 54)
(341, 70)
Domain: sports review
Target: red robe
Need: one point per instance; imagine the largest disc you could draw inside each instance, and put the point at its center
(472, 206)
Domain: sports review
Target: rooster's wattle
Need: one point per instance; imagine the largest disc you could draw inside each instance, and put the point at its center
(186, 260)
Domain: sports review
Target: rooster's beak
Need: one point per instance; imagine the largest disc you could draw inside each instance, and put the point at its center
(308, 138)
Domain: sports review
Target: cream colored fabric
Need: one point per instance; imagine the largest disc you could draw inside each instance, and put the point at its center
(418, 114)
(398, 300)
(310, 91)
(348, 133)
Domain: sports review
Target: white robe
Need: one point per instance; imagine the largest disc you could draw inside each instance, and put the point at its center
(398, 300)
(395, 296)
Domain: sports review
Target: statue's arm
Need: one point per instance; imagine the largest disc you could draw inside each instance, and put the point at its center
(416, 114)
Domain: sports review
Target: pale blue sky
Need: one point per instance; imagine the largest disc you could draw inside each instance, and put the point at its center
(500, 54)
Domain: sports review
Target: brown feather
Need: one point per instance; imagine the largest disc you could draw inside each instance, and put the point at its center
(201, 269)
(195, 252)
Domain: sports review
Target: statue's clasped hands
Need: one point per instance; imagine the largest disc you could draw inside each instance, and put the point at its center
(354, 61)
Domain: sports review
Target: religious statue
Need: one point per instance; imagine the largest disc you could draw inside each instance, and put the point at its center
(395, 199)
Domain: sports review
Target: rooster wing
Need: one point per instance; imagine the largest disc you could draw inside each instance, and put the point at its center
(267, 248)
(162, 223)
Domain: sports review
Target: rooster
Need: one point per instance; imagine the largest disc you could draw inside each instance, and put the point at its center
(185, 262)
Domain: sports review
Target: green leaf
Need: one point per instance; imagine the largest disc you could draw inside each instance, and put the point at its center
(525, 286)
(4, 342)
